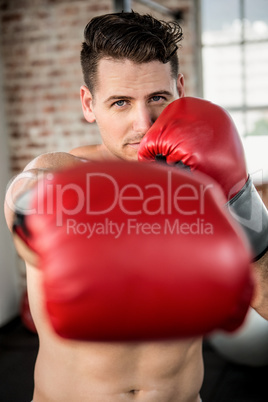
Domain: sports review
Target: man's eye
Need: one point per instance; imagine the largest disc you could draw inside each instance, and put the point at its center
(157, 98)
(120, 103)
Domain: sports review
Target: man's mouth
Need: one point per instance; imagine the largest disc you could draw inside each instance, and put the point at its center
(134, 145)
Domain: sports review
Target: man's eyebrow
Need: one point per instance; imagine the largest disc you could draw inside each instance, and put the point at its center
(161, 92)
(123, 97)
(117, 97)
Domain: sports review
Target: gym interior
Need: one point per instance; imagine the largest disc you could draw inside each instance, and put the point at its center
(223, 57)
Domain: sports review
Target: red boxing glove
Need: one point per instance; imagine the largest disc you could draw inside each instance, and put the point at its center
(198, 134)
(131, 251)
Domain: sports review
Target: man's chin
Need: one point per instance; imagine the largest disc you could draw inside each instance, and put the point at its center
(130, 153)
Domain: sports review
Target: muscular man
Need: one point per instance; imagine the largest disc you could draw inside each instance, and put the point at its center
(131, 74)
(127, 87)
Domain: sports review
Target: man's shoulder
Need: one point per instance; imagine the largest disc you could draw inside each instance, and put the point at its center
(53, 160)
(90, 152)
(60, 160)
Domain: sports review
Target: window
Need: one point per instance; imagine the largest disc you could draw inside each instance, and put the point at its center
(234, 44)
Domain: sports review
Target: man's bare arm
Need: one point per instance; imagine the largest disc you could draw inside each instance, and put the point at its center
(260, 299)
(36, 169)
(27, 179)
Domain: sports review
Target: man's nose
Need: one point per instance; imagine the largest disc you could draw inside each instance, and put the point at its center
(143, 119)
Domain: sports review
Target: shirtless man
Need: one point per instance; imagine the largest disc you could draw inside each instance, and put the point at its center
(124, 98)
(128, 84)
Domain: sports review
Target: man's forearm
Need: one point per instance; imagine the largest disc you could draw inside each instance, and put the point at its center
(18, 186)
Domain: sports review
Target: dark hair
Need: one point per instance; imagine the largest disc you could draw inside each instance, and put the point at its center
(139, 38)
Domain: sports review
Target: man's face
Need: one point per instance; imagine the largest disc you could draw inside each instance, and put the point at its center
(127, 100)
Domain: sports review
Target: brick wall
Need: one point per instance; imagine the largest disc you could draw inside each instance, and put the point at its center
(40, 45)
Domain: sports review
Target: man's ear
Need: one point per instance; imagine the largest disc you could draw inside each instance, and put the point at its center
(180, 86)
(87, 100)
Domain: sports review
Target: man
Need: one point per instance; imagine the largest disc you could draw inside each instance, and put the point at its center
(131, 73)
(125, 94)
